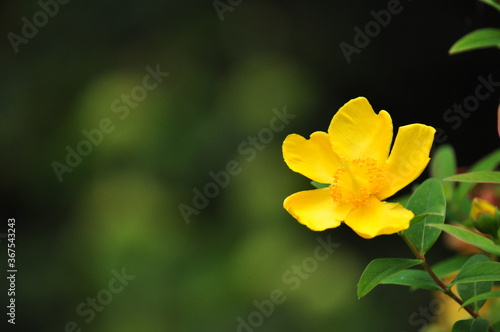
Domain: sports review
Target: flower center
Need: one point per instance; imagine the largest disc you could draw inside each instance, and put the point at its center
(355, 181)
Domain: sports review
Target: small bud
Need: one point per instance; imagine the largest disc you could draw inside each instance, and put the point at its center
(486, 217)
(481, 206)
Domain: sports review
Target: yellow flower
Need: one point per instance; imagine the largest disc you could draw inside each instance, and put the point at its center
(353, 159)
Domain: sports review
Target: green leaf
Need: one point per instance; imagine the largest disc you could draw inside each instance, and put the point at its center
(475, 239)
(443, 162)
(443, 165)
(319, 185)
(480, 297)
(447, 267)
(471, 325)
(481, 38)
(438, 210)
(470, 290)
(380, 269)
(488, 163)
(482, 271)
(412, 278)
(493, 3)
(476, 177)
(427, 198)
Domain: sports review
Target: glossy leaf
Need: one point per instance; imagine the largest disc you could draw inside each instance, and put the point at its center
(471, 325)
(481, 38)
(449, 266)
(480, 297)
(443, 164)
(380, 269)
(475, 239)
(476, 177)
(488, 163)
(438, 210)
(494, 3)
(427, 198)
(412, 278)
(470, 290)
(482, 271)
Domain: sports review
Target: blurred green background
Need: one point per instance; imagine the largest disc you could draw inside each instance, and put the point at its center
(119, 208)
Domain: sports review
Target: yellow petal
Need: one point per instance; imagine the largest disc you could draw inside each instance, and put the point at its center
(408, 159)
(357, 132)
(377, 218)
(481, 206)
(313, 158)
(316, 209)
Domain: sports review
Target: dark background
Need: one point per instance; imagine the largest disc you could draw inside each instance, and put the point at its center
(119, 208)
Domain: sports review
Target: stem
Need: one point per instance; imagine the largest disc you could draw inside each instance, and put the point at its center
(446, 290)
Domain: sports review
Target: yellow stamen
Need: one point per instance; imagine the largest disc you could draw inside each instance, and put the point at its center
(355, 181)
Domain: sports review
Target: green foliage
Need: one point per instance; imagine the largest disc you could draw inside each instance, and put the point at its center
(476, 274)
(483, 296)
(427, 198)
(488, 163)
(470, 290)
(471, 325)
(476, 177)
(438, 210)
(488, 223)
(447, 267)
(482, 271)
(412, 278)
(444, 164)
(481, 38)
(494, 3)
(380, 269)
(475, 239)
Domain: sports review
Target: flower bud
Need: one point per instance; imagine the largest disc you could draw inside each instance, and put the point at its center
(486, 217)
